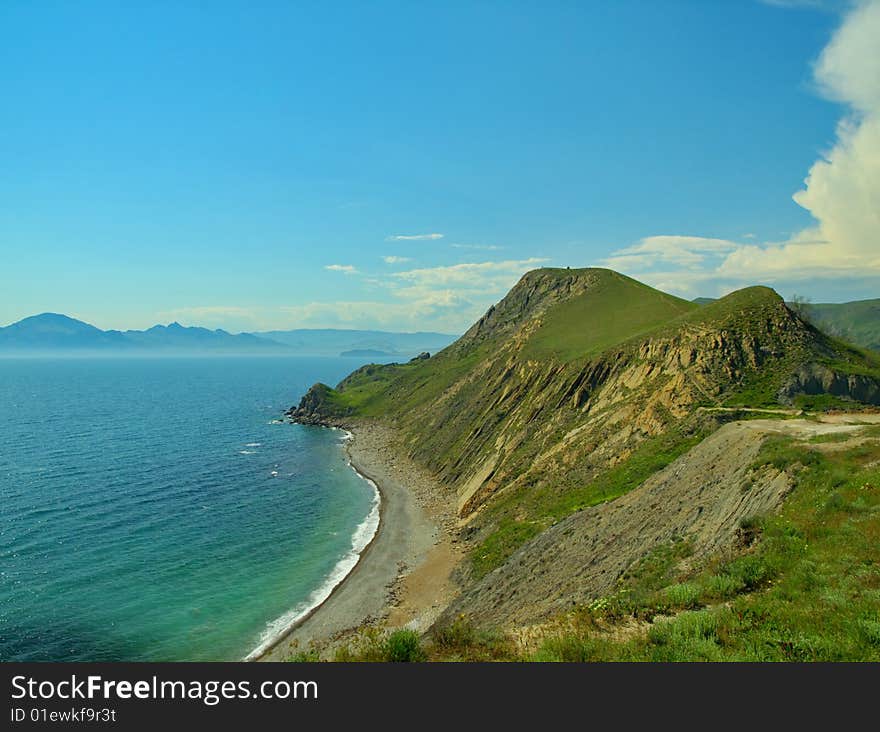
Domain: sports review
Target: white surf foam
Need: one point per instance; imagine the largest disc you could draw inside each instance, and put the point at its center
(252, 444)
(360, 539)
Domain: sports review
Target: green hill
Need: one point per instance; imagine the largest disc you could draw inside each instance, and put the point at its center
(576, 369)
(575, 389)
(857, 322)
(561, 319)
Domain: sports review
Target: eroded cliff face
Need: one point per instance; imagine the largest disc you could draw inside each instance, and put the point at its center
(493, 412)
(701, 497)
(814, 378)
(512, 421)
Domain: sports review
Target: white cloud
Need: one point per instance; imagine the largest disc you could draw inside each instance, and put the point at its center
(439, 313)
(481, 276)
(483, 247)
(841, 191)
(344, 268)
(414, 237)
(684, 251)
(395, 260)
(447, 298)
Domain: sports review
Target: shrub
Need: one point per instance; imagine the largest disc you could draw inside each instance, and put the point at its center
(722, 586)
(870, 631)
(682, 595)
(751, 571)
(701, 624)
(404, 646)
(369, 646)
(570, 648)
(459, 633)
(309, 656)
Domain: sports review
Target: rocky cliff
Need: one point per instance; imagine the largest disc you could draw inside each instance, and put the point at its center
(575, 376)
(574, 368)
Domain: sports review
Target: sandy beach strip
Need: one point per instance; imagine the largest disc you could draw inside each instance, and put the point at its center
(403, 577)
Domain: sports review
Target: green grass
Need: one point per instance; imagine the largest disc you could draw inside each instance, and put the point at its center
(824, 403)
(858, 322)
(808, 591)
(386, 390)
(375, 645)
(616, 309)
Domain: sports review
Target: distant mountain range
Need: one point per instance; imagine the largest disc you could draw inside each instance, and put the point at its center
(60, 334)
(353, 343)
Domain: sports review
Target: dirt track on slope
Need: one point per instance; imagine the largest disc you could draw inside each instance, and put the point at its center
(703, 495)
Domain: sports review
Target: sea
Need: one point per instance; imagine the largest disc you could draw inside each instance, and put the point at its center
(159, 509)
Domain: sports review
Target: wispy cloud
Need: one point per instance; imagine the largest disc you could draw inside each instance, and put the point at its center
(482, 247)
(684, 251)
(344, 268)
(446, 298)
(477, 275)
(392, 259)
(414, 237)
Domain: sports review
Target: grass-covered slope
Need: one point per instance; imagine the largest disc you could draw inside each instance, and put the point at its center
(803, 584)
(805, 587)
(857, 322)
(579, 384)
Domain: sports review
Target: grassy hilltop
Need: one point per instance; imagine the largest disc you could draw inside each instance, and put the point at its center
(579, 387)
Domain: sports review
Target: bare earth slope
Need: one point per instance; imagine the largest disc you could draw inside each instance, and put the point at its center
(702, 496)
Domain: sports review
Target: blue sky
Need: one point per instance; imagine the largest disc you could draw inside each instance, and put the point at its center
(400, 165)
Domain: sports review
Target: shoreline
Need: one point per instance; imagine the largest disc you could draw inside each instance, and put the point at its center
(266, 646)
(412, 539)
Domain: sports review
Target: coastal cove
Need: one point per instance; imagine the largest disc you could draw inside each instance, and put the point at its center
(403, 577)
(159, 509)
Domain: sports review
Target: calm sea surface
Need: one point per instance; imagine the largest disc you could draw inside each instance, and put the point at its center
(154, 509)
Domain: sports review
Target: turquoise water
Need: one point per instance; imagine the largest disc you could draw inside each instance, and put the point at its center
(152, 510)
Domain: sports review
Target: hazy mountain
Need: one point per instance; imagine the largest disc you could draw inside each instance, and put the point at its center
(176, 336)
(51, 331)
(54, 333)
(330, 342)
(366, 353)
